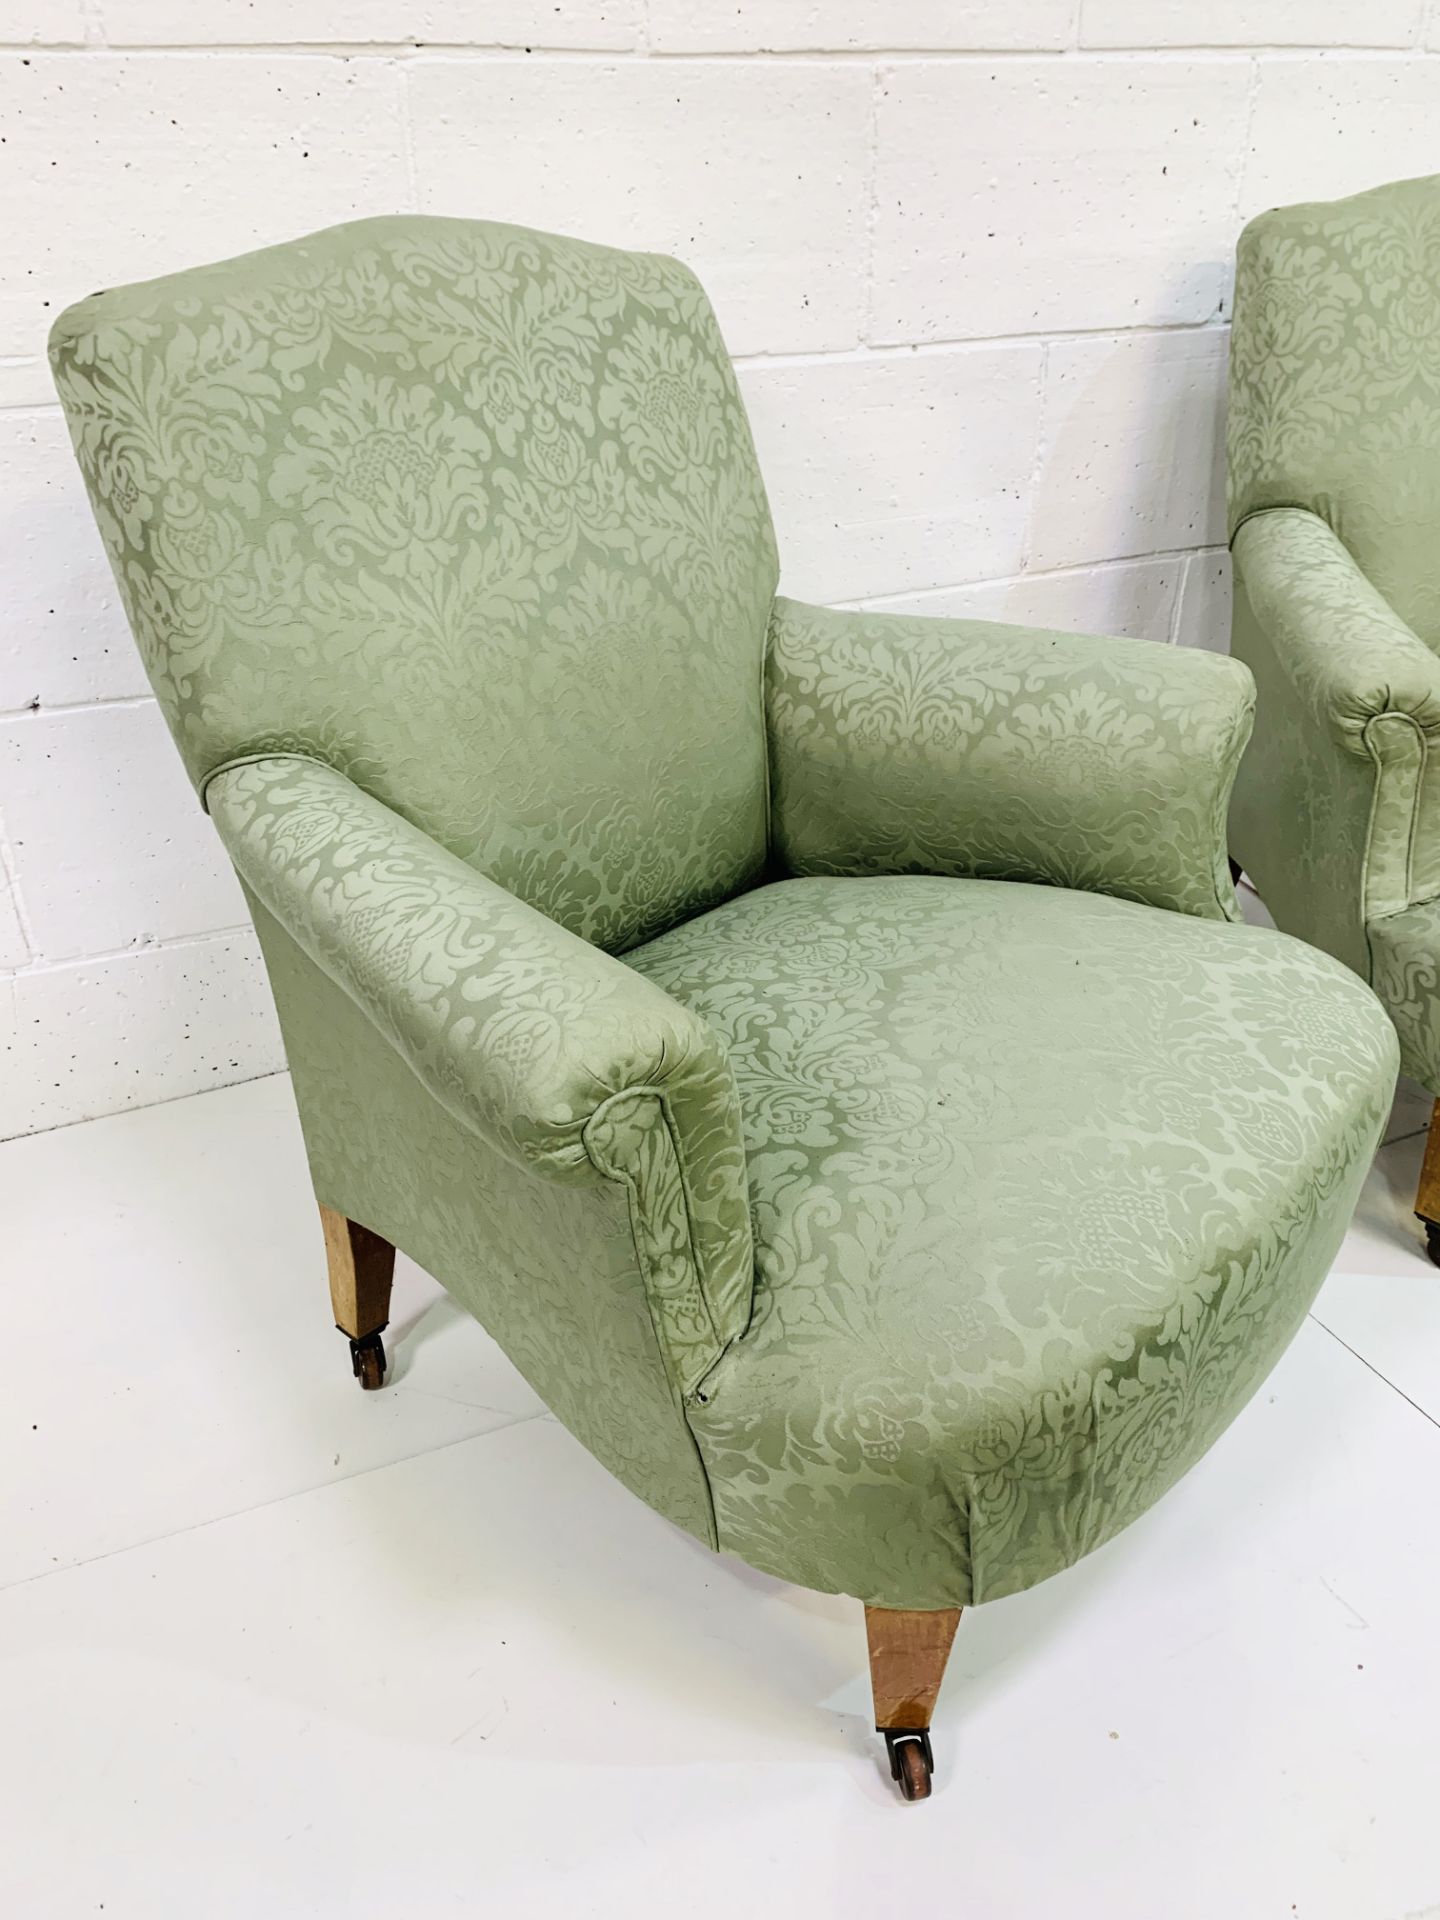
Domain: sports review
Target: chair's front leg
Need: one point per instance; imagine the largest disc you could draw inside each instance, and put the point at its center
(362, 1266)
(908, 1652)
(1427, 1200)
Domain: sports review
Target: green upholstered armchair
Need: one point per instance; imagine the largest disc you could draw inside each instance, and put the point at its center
(1334, 500)
(818, 1046)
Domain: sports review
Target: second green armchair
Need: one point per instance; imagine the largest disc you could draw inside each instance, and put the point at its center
(818, 1046)
(1334, 486)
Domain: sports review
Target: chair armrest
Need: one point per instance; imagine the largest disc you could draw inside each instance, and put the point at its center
(1337, 811)
(1348, 654)
(560, 1057)
(902, 744)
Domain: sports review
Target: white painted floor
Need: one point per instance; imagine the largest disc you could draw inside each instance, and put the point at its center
(272, 1647)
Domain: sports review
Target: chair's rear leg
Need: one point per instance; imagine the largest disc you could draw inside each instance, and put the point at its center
(1427, 1200)
(362, 1266)
(908, 1652)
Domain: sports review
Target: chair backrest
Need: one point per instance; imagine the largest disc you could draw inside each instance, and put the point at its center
(1335, 381)
(471, 514)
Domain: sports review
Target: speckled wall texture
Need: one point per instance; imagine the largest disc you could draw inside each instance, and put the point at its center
(972, 255)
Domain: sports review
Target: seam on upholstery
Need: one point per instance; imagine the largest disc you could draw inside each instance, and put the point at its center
(1399, 713)
(1377, 759)
(686, 1187)
(972, 1541)
(1224, 787)
(1276, 506)
(696, 1264)
(1416, 797)
(622, 1176)
(1365, 859)
(765, 726)
(1380, 764)
(1397, 913)
(1417, 790)
(253, 759)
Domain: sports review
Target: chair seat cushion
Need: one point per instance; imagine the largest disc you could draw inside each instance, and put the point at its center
(1043, 1182)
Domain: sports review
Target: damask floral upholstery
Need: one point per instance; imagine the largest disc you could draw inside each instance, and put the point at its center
(1334, 488)
(1043, 1184)
(667, 966)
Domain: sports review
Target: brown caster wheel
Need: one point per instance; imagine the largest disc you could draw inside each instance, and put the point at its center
(1432, 1239)
(367, 1361)
(911, 1762)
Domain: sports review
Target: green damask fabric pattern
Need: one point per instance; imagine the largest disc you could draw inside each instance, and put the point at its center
(469, 513)
(954, 746)
(1406, 950)
(1043, 1184)
(1334, 487)
(559, 1057)
(1335, 381)
(548, 1267)
(901, 1231)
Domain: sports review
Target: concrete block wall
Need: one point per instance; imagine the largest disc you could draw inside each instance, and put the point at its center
(973, 258)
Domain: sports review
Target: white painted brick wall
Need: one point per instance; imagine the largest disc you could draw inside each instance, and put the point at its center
(973, 257)
(870, 26)
(1382, 116)
(1037, 196)
(697, 157)
(1249, 23)
(339, 23)
(1134, 597)
(895, 470)
(1117, 408)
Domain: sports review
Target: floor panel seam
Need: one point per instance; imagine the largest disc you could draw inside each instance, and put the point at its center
(505, 1417)
(1424, 1413)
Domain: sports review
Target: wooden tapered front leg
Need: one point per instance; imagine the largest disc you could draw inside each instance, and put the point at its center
(362, 1266)
(908, 1652)
(1427, 1200)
